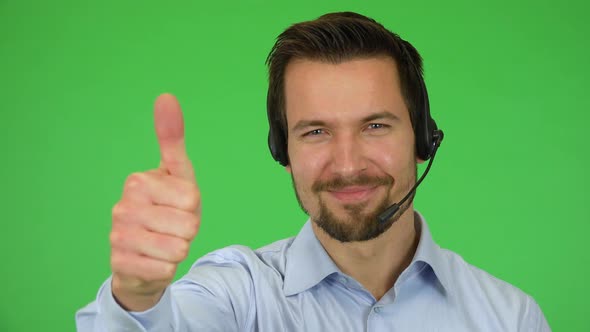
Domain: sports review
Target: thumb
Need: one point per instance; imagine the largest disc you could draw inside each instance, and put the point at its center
(170, 132)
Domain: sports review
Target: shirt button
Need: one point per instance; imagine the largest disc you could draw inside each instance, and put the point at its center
(377, 309)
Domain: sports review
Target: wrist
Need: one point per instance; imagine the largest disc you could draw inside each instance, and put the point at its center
(134, 301)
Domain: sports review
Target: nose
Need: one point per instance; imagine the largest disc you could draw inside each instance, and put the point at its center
(348, 156)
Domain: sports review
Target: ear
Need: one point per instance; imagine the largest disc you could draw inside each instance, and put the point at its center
(288, 169)
(419, 160)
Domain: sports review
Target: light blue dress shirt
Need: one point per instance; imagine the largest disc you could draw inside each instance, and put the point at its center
(293, 285)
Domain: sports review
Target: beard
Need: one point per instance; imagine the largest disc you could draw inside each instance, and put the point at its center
(358, 224)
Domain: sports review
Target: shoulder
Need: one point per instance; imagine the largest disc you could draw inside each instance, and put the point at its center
(227, 283)
(232, 277)
(479, 291)
(242, 260)
(467, 277)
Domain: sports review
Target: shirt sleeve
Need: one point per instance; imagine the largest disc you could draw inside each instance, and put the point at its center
(216, 295)
(105, 314)
(535, 320)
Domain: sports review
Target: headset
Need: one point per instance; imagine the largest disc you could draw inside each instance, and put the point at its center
(427, 135)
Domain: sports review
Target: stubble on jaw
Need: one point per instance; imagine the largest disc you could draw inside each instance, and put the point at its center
(358, 225)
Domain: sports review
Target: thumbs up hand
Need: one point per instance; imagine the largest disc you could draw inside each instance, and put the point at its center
(156, 218)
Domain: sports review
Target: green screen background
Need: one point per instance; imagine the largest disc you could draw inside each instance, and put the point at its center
(507, 81)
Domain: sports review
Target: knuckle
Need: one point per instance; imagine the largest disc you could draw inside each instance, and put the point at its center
(117, 261)
(119, 210)
(192, 226)
(182, 249)
(125, 212)
(168, 271)
(134, 180)
(193, 199)
(145, 273)
(115, 237)
(115, 211)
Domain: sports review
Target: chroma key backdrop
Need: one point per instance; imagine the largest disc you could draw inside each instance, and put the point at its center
(508, 83)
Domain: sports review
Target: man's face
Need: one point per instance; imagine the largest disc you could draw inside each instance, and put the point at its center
(350, 145)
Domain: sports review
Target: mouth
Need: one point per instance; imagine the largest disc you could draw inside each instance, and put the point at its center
(352, 194)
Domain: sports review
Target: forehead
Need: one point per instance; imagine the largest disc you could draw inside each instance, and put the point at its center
(348, 90)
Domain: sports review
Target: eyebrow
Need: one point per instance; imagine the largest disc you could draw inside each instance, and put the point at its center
(318, 123)
(381, 115)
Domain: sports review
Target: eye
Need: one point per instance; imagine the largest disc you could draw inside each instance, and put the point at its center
(315, 132)
(377, 128)
(315, 135)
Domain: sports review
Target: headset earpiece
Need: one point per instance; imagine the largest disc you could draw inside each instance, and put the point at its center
(427, 135)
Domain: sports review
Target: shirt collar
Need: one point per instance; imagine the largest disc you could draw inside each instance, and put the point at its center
(430, 253)
(308, 263)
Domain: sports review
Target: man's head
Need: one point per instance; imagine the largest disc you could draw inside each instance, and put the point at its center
(334, 38)
(344, 96)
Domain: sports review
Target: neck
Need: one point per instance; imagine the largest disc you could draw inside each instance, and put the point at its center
(377, 263)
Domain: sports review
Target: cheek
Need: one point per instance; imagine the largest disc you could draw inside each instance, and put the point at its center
(393, 159)
(303, 182)
(303, 174)
(305, 165)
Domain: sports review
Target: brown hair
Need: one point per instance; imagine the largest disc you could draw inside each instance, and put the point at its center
(334, 38)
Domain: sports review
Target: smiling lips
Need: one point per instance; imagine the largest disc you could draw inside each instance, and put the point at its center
(352, 194)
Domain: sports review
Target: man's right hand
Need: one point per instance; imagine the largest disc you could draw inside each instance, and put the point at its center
(157, 217)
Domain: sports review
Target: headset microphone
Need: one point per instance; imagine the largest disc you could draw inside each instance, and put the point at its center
(390, 211)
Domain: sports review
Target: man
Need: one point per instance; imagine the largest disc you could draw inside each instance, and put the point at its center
(349, 120)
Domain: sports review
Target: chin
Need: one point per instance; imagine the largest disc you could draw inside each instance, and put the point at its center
(354, 223)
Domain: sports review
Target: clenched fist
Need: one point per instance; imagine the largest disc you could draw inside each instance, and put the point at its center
(157, 217)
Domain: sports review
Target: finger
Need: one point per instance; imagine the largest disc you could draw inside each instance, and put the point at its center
(169, 126)
(134, 190)
(139, 240)
(145, 268)
(155, 187)
(159, 219)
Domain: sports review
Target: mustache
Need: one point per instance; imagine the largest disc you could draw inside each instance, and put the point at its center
(338, 183)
